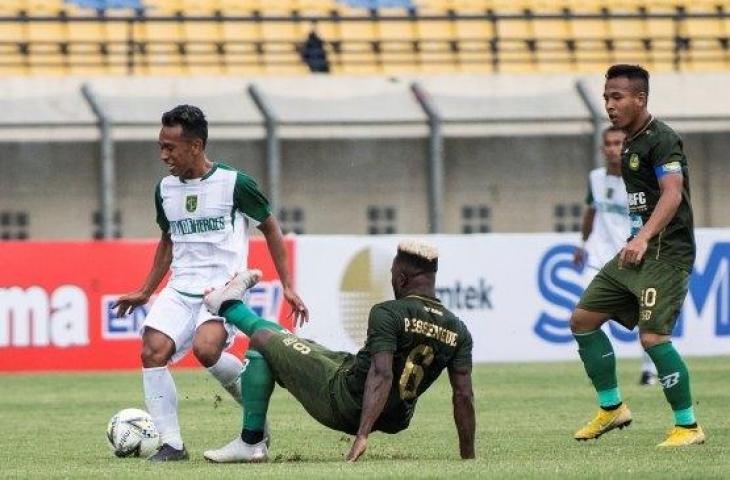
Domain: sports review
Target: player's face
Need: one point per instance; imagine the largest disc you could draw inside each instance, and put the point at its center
(623, 103)
(177, 151)
(612, 144)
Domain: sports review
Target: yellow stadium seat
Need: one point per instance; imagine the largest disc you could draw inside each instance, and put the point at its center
(398, 41)
(85, 51)
(281, 39)
(161, 53)
(628, 34)
(358, 40)
(10, 8)
(204, 52)
(515, 36)
(474, 50)
(45, 46)
(314, 7)
(705, 50)
(43, 7)
(12, 60)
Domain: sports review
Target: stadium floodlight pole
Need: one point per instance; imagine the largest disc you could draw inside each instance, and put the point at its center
(435, 158)
(596, 111)
(107, 179)
(273, 150)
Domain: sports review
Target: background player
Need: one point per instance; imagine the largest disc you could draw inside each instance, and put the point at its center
(410, 340)
(606, 224)
(203, 209)
(647, 283)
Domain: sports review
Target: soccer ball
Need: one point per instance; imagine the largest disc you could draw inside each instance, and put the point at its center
(131, 433)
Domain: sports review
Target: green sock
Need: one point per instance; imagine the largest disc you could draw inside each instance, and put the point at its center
(238, 313)
(599, 361)
(257, 384)
(674, 377)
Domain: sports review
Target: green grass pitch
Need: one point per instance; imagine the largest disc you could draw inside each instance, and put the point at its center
(54, 426)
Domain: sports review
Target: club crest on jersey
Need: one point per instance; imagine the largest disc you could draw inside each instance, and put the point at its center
(634, 161)
(191, 203)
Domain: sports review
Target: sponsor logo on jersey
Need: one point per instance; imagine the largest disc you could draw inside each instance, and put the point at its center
(191, 203)
(634, 161)
(34, 317)
(189, 226)
(637, 201)
(636, 223)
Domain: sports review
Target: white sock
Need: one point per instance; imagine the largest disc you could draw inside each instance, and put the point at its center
(160, 396)
(647, 365)
(227, 371)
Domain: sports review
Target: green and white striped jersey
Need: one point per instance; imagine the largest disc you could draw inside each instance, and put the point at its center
(207, 219)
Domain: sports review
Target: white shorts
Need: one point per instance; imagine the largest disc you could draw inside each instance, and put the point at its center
(178, 316)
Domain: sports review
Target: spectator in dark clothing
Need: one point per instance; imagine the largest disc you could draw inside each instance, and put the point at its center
(314, 55)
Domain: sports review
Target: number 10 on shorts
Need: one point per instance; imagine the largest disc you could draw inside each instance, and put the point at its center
(648, 297)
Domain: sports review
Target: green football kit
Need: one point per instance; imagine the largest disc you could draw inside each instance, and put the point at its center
(651, 294)
(424, 338)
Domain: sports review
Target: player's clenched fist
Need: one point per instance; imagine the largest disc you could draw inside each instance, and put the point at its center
(633, 252)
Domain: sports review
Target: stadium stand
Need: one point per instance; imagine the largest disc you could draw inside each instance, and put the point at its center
(360, 36)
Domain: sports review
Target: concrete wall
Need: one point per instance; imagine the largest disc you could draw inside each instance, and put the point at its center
(521, 179)
(56, 184)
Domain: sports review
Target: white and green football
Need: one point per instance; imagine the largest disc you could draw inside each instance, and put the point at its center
(131, 433)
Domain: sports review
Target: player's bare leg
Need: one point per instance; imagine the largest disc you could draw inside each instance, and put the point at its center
(599, 361)
(208, 346)
(161, 395)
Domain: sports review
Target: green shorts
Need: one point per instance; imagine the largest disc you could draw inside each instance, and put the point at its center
(650, 295)
(308, 370)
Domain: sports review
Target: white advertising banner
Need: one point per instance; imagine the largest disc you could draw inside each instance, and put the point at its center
(515, 292)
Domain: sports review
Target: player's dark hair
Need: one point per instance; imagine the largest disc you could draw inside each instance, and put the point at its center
(611, 129)
(417, 262)
(191, 119)
(638, 76)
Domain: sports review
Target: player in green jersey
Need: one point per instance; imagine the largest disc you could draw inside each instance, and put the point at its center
(646, 283)
(410, 341)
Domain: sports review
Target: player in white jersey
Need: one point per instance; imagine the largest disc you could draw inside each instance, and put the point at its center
(203, 209)
(606, 224)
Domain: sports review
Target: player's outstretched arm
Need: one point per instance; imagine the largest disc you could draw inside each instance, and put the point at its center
(275, 242)
(463, 400)
(377, 387)
(160, 266)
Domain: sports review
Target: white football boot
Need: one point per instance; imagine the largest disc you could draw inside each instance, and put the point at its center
(239, 451)
(234, 290)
